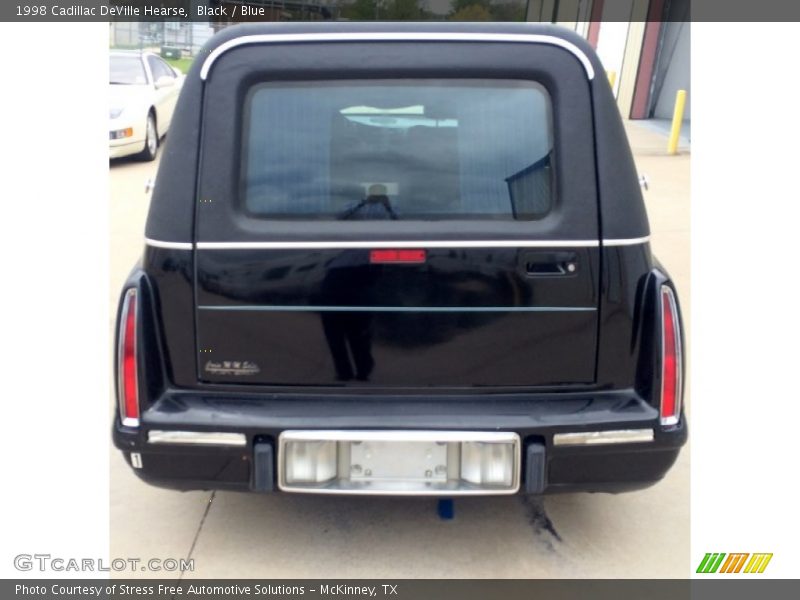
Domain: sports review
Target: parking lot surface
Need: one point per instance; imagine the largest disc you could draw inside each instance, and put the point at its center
(641, 534)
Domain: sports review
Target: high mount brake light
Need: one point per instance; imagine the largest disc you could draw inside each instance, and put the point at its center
(671, 359)
(397, 256)
(128, 382)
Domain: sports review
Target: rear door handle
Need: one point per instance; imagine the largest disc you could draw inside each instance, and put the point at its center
(550, 264)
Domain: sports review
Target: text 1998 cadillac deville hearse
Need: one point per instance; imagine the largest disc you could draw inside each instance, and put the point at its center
(398, 259)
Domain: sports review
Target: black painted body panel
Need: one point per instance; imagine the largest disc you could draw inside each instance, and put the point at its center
(466, 317)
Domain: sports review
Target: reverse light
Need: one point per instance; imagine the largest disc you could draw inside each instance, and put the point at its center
(311, 461)
(671, 359)
(128, 381)
(487, 463)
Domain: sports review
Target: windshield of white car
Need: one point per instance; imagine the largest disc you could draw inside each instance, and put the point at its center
(127, 70)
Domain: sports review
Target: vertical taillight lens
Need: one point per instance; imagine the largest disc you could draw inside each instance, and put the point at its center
(128, 386)
(671, 359)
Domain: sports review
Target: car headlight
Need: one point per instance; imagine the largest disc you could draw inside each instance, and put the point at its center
(114, 112)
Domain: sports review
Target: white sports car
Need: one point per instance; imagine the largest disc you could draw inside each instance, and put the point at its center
(143, 92)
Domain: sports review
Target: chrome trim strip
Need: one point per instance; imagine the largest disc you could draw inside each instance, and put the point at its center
(396, 37)
(171, 245)
(333, 244)
(672, 420)
(627, 242)
(589, 438)
(309, 308)
(400, 436)
(314, 245)
(396, 435)
(196, 438)
(126, 421)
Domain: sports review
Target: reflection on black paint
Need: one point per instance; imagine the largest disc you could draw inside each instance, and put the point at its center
(348, 333)
(349, 337)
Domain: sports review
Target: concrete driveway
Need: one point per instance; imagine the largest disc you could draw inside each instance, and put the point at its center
(642, 534)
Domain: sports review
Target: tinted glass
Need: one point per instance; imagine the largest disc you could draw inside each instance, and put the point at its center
(407, 149)
(127, 70)
(159, 68)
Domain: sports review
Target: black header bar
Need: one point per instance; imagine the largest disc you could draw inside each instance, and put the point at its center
(234, 11)
(398, 589)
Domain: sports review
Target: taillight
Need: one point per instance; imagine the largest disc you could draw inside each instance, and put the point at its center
(128, 383)
(671, 359)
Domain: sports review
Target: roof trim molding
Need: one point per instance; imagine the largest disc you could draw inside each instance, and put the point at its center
(422, 36)
(340, 244)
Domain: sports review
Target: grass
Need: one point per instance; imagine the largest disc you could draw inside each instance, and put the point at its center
(181, 63)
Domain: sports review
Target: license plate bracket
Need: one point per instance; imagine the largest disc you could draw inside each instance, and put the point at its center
(420, 461)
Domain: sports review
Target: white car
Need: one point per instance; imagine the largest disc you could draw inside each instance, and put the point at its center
(143, 93)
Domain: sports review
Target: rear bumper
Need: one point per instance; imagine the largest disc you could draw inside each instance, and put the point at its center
(546, 467)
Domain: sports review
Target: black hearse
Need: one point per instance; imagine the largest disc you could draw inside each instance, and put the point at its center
(398, 259)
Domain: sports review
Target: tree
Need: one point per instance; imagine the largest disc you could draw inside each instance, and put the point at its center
(459, 5)
(497, 10)
(362, 10)
(403, 10)
(508, 11)
(473, 12)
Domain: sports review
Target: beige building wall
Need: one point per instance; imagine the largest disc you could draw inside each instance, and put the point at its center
(633, 53)
(630, 67)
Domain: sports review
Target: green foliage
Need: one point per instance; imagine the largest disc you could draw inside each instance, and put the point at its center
(181, 63)
(473, 12)
(361, 10)
(508, 11)
(460, 5)
(487, 10)
(403, 10)
(412, 10)
(383, 10)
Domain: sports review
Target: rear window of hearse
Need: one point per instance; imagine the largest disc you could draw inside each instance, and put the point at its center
(398, 150)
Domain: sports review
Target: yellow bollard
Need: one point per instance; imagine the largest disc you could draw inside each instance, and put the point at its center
(612, 78)
(677, 120)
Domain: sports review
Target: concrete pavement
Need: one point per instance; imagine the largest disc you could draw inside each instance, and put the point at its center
(641, 534)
